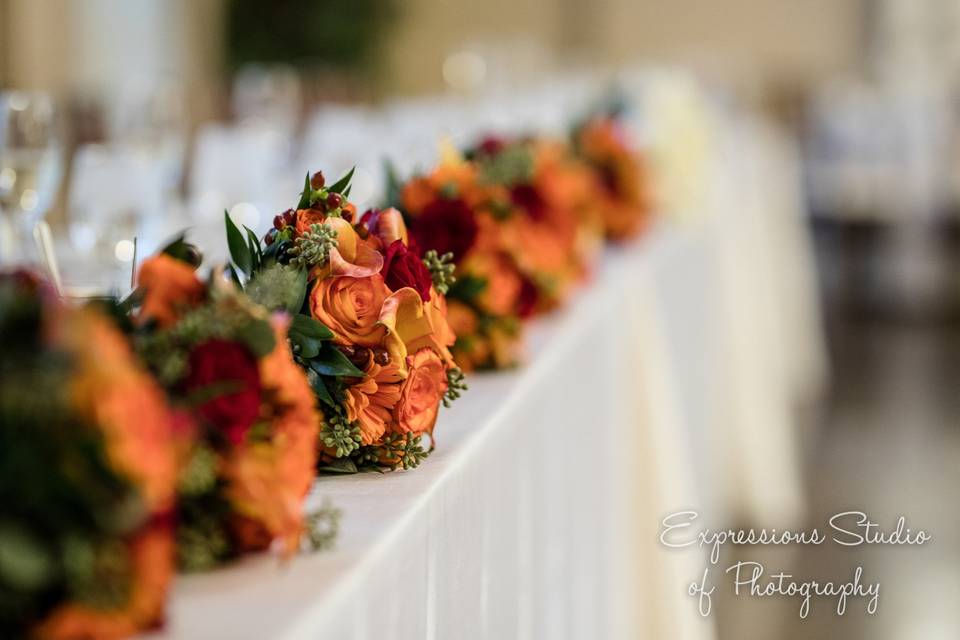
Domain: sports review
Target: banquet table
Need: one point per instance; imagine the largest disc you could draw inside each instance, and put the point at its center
(666, 384)
(537, 516)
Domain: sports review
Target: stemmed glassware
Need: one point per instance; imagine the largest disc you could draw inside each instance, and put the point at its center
(30, 170)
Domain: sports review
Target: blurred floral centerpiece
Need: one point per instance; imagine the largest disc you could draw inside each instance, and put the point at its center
(249, 420)
(515, 217)
(369, 323)
(623, 194)
(87, 473)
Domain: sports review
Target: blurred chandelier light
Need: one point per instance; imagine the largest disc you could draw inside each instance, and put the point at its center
(123, 251)
(464, 71)
(246, 214)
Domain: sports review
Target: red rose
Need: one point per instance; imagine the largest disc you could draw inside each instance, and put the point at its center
(221, 363)
(403, 268)
(527, 301)
(492, 145)
(528, 198)
(447, 226)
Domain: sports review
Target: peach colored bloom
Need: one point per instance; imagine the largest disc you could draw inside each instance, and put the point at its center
(112, 392)
(412, 324)
(170, 286)
(351, 308)
(307, 217)
(370, 402)
(421, 393)
(502, 292)
(391, 227)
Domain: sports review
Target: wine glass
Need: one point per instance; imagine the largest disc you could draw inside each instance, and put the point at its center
(30, 171)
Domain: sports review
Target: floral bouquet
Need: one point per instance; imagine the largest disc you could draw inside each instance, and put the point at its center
(623, 196)
(369, 323)
(515, 216)
(87, 473)
(553, 231)
(249, 448)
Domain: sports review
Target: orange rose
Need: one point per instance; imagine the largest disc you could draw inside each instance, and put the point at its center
(371, 401)
(307, 217)
(350, 307)
(169, 286)
(421, 393)
(502, 292)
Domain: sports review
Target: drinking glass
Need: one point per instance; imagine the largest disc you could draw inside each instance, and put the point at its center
(30, 171)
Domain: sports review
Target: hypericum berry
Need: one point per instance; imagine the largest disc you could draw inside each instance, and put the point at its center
(289, 216)
(347, 215)
(278, 222)
(269, 238)
(317, 181)
(192, 255)
(334, 201)
(381, 356)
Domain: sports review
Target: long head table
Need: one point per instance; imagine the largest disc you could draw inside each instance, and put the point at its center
(664, 386)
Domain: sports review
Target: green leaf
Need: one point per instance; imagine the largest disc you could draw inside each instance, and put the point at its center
(258, 336)
(467, 287)
(253, 244)
(239, 251)
(310, 327)
(392, 196)
(305, 194)
(320, 388)
(232, 272)
(339, 465)
(339, 185)
(331, 362)
(307, 334)
(24, 563)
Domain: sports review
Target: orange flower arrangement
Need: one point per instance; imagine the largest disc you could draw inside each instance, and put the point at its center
(369, 326)
(519, 219)
(624, 197)
(227, 362)
(86, 447)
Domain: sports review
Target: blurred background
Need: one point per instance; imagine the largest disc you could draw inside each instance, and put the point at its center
(165, 112)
